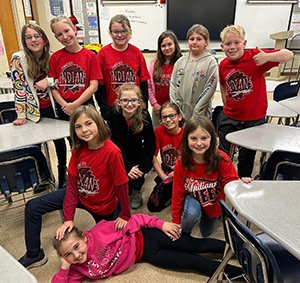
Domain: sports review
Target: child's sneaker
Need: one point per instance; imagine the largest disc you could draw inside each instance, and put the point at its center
(30, 262)
(137, 199)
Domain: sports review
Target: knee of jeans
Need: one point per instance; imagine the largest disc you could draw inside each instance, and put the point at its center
(32, 207)
(191, 214)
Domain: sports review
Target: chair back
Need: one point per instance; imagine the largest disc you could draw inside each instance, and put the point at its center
(23, 168)
(286, 90)
(254, 256)
(215, 114)
(7, 112)
(282, 165)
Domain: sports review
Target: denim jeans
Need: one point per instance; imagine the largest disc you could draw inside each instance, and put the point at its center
(37, 207)
(192, 212)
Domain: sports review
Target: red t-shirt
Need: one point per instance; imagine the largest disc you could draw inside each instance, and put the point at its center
(43, 95)
(245, 82)
(162, 87)
(208, 189)
(74, 71)
(99, 171)
(119, 67)
(167, 145)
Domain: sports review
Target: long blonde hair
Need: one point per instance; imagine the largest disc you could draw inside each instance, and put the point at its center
(36, 65)
(139, 117)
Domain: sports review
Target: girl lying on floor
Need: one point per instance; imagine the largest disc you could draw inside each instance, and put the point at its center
(102, 251)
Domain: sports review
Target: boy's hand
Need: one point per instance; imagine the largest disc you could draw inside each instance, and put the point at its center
(60, 232)
(172, 230)
(260, 58)
(120, 224)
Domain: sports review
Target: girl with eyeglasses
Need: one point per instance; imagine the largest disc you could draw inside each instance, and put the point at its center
(167, 136)
(120, 62)
(132, 132)
(32, 86)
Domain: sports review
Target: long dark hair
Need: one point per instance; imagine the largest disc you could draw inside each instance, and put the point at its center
(90, 111)
(160, 58)
(212, 157)
(36, 65)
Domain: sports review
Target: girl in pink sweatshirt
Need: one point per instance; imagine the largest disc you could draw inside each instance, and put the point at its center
(102, 251)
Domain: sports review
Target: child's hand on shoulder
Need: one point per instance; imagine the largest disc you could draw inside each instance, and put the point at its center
(172, 230)
(120, 224)
(247, 180)
(260, 58)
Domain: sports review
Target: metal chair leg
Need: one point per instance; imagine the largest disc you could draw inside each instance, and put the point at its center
(218, 274)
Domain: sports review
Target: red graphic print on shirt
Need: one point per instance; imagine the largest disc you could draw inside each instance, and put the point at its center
(87, 185)
(122, 73)
(169, 158)
(238, 84)
(72, 78)
(205, 191)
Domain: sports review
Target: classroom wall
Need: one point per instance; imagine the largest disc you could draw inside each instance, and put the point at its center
(3, 60)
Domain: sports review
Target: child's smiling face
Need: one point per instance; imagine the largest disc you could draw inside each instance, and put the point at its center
(233, 46)
(74, 250)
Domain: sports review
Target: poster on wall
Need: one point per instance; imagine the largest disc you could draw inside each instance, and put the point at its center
(55, 8)
(86, 13)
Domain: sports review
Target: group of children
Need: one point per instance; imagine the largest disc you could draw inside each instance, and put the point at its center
(112, 152)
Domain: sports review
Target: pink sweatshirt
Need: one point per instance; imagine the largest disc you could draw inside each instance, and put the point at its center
(108, 251)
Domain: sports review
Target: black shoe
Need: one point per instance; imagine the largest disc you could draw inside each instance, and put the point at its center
(62, 177)
(30, 262)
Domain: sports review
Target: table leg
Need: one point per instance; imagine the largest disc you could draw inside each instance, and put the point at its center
(46, 149)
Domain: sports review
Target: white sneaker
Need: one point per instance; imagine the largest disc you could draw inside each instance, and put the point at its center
(137, 199)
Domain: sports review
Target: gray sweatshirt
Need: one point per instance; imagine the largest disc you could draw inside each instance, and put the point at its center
(193, 84)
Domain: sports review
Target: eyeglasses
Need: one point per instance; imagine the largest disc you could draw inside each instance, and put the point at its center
(35, 36)
(116, 32)
(171, 116)
(126, 101)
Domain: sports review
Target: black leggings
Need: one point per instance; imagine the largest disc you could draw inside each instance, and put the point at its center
(161, 251)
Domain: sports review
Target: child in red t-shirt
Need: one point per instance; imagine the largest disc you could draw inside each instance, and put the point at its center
(200, 174)
(168, 137)
(96, 179)
(243, 89)
(120, 62)
(74, 67)
(160, 69)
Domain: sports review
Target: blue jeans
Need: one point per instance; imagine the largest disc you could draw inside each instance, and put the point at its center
(37, 207)
(192, 212)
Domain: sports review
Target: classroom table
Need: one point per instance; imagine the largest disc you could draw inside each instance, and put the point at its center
(12, 271)
(12, 137)
(5, 85)
(292, 103)
(277, 110)
(271, 206)
(267, 138)
(7, 97)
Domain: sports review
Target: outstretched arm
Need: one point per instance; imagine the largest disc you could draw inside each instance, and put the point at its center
(281, 56)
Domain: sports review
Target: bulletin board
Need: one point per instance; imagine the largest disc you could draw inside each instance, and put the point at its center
(148, 21)
(86, 13)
